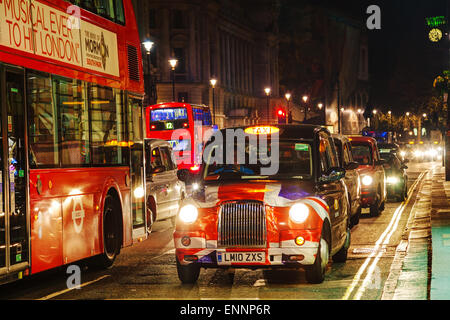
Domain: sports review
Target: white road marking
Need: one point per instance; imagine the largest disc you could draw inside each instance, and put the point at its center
(387, 232)
(50, 296)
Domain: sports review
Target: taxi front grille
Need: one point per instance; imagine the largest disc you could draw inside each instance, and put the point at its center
(242, 224)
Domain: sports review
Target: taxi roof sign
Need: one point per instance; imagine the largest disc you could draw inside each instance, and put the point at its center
(261, 130)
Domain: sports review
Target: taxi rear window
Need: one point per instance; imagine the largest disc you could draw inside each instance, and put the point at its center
(362, 153)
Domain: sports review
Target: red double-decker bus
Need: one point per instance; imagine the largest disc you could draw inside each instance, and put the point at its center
(186, 126)
(71, 152)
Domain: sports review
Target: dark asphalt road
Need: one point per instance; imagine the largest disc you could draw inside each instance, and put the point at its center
(147, 270)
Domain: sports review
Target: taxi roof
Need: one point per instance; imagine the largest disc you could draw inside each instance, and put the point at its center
(363, 139)
(290, 131)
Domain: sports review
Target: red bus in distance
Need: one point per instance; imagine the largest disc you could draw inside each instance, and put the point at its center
(186, 126)
(72, 118)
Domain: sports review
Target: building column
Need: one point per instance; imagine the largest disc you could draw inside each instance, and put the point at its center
(165, 45)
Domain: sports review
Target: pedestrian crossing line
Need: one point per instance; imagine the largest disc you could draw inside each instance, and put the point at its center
(380, 241)
(50, 296)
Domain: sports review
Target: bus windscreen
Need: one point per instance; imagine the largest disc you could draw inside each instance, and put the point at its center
(169, 119)
(169, 114)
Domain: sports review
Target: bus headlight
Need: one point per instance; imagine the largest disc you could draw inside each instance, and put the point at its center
(367, 180)
(299, 212)
(188, 213)
(392, 180)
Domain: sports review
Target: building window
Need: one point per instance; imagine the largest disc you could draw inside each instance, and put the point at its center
(178, 19)
(152, 19)
(183, 97)
(180, 55)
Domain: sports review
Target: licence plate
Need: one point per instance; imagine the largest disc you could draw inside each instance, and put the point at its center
(241, 257)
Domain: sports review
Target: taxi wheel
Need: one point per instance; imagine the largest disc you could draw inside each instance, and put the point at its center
(188, 274)
(151, 214)
(354, 220)
(316, 272)
(341, 255)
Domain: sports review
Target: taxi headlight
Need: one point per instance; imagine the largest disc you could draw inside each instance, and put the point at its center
(188, 213)
(367, 180)
(299, 212)
(138, 192)
(393, 180)
(403, 153)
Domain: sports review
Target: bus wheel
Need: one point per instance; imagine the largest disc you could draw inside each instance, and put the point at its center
(111, 233)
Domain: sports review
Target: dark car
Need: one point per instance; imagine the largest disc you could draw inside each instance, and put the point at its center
(396, 177)
(274, 197)
(384, 147)
(371, 171)
(352, 181)
(164, 190)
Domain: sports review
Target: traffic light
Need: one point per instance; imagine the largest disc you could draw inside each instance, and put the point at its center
(281, 114)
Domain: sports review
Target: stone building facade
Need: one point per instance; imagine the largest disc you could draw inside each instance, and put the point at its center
(233, 41)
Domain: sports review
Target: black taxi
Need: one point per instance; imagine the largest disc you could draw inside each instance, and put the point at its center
(269, 196)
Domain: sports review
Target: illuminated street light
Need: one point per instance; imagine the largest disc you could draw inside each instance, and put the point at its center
(305, 100)
(288, 98)
(173, 64)
(213, 85)
(149, 81)
(320, 106)
(267, 91)
(407, 114)
(424, 115)
(148, 46)
(374, 111)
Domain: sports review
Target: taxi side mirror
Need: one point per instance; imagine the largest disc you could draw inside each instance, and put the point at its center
(352, 165)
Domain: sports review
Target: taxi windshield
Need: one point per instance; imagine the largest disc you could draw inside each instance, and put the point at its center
(292, 160)
(362, 154)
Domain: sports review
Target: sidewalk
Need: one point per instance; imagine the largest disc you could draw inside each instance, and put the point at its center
(420, 269)
(440, 235)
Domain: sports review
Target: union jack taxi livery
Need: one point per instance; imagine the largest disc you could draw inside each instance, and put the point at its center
(242, 216)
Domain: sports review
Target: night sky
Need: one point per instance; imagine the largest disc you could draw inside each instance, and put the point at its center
(403, 61)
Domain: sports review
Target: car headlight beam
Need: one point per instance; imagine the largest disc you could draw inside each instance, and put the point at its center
(299, 212)
(393, 180)
(188, 213)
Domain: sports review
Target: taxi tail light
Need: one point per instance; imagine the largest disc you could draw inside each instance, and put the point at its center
(194, 168)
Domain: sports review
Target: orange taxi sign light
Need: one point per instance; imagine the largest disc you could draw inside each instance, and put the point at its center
(261, 130)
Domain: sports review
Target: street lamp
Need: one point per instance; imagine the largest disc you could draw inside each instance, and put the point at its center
(288, 98)
(213, 85)
(390, 119)
(173, 64)
(148, 47)
(267, 91)
(305, 100)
